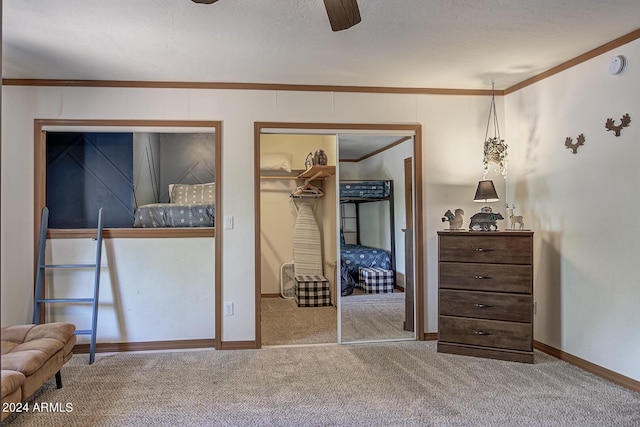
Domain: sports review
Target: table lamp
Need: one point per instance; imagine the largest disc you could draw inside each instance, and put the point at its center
(486, 192)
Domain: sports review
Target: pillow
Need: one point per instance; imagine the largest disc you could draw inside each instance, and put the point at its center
(194, 193)
(275, 162)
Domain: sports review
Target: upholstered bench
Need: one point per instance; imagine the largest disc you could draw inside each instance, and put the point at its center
(11, 389)
(31, 355)
(375, 280)
(312, 291)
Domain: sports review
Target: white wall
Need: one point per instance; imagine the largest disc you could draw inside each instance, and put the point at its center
(453, 133)
(583, 207)
(150, 289)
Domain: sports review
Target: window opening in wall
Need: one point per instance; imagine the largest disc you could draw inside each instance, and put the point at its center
(143, 180)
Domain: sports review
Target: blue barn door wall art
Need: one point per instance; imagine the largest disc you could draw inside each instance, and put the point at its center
(87, 171)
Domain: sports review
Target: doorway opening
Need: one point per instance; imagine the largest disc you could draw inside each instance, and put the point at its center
(382, 145)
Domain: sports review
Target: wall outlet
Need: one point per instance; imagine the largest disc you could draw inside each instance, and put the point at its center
(228, 309)
(535, 307)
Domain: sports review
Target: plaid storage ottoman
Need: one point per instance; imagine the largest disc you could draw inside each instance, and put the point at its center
(375, 280)
(312, 291)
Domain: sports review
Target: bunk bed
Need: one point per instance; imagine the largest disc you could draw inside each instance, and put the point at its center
(353, 254)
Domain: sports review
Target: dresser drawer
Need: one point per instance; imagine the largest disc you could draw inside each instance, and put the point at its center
(486, 277)
(487, 333)
(493, 248)
(486, 305)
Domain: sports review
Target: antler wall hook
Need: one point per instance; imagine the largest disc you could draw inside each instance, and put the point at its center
(574, 147)
(626, 119)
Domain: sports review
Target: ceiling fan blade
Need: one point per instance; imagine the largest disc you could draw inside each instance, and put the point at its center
(342, 14)
(204, 1)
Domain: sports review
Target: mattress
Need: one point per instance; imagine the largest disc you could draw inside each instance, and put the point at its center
(363, 256)
(159, 215)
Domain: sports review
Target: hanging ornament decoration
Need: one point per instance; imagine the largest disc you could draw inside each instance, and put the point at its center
(495, 149)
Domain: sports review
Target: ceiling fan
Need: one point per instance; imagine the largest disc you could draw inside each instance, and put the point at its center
(342, 14)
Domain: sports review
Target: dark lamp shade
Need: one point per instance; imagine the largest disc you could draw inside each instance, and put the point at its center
(486, 192)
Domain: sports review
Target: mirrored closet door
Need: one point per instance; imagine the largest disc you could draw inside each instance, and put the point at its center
(375, 224)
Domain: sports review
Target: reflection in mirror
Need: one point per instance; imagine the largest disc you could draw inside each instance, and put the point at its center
(373, 301)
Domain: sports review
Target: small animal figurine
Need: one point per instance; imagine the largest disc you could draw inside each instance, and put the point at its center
(515, 219)
(485, 221)
(455, 220)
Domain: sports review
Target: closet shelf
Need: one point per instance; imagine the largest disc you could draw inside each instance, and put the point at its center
(317, 172)
(294, 175)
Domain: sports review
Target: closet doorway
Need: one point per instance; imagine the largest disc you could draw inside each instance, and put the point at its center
(297, 238)
(331, 219)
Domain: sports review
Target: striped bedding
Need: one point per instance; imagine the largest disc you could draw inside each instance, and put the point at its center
(159, 215)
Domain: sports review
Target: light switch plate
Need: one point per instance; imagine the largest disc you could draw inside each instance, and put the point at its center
(228, 222)
(228, 309)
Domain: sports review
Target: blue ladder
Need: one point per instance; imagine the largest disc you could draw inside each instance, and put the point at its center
(40, 299)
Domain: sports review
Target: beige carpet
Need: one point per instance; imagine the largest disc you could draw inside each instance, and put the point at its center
(284, 323)
(368, 317)
(384, 384)
(365, 317)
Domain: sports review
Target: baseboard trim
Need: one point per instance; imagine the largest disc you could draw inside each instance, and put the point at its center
(146, 346)
(430, 336)
(400, 281)
(270, 295)
(238, 345)
(597, 370)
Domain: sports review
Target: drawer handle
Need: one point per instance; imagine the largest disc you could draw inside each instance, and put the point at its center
(482, 250)
(481, 277)
(483, 333)
(482, 305)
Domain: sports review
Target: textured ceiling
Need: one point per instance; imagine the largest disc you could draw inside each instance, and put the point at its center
(355, 146)
(461, 44)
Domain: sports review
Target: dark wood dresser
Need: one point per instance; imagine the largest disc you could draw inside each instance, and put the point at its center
(485, 292)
